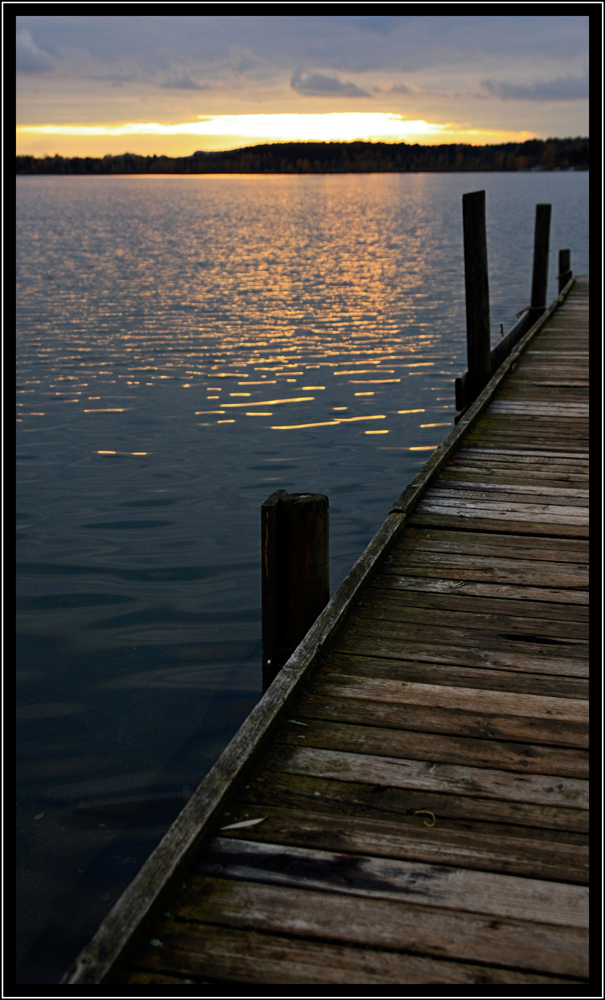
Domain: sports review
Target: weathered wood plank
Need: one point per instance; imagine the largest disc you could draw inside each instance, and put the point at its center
(464, 676)
(392, 606)
(499, 436)
(431, 845)
(507, 756)
(546, 480)
(489, 568)
(486, 507)
(462, 655)
(249, 957)
(508, 469)
(530, 706)
(430, 885)
(432, 776)
(347, 707)
(458, 601)
(484, 543)
(539, 409)
(390, 634)
(522, 454)
(503, 491)
(466, 650)
(501, 523)
(422, 584)
(353, 798)
(397, 925)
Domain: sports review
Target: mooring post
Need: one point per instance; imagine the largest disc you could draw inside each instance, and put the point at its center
(564, 268)
(477, 293)
(295, 573)
(539, 279)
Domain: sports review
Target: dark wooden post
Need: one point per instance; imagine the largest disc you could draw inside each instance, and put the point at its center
(477, 293)
(295, 573)
(539, 280)
(564, 269)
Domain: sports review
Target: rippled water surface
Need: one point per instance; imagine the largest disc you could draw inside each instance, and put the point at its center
(186, 345)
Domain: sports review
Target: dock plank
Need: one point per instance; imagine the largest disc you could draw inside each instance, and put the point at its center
(541, 901)
(395, 925)
(349, 701)
(427, 844)
(432, 776)
(240, 956)
(353, 798)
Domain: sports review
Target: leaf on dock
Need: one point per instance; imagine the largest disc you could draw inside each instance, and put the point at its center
(244, 822)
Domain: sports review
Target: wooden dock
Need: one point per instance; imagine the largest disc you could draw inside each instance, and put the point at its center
(408, 801)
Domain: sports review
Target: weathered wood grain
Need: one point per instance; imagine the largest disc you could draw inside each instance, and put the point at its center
(491, 568)
(347, 707)
(520, 681)
(354, 798)
(534, 659)
(391, 606)
(511, 510)
(527, 758)
(547, 478)
(522, 455)
(441, 696)
(486, 543)
(474, 891)
(504, 522)
(396, 925)
(433, 845)
(249, 957)
(432, 776)
(575, 496)
(458, 601)
(387, 635)
(473, 588)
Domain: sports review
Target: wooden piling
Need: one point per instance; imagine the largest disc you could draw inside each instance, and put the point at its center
(564, 269)
(477, 292)
(295, 573)
(540, 269)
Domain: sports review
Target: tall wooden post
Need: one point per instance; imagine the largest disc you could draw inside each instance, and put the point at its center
(564, 269)
(295, 573)
(477, 293)
(539, 280)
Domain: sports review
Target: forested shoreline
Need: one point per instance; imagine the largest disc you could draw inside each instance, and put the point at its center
(330, 158)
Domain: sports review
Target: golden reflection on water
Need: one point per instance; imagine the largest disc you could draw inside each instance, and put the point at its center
(206, 285)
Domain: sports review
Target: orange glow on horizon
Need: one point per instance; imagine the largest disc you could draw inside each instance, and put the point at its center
(222, 132)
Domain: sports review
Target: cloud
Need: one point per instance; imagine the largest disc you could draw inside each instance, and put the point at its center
(336, 45)
(31, 59)
(399, 88)
(318, 85)
(186, 82)
(563, 88)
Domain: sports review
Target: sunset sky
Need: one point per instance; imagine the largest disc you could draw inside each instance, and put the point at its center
(89, 86)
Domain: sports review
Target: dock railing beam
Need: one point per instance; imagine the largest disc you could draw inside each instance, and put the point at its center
(539, 280)
(295, 573)
(477, 292)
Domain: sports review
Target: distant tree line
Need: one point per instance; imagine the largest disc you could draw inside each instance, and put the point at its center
(330, 158)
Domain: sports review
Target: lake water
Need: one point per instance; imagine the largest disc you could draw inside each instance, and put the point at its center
(187, 345)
